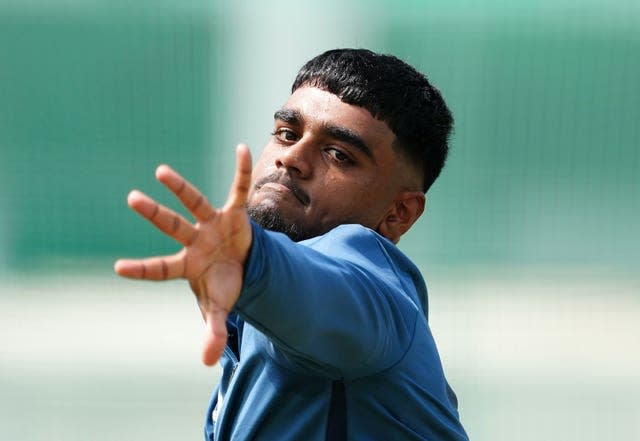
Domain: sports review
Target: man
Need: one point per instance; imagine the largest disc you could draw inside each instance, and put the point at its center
(322, 332)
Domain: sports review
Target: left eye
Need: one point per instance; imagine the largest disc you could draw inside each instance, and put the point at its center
(337, 155)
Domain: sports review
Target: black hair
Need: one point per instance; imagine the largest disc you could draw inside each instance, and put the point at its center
(393, 92)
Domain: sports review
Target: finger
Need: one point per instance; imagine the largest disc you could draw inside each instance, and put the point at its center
(215, 338)
(189, 195)
(166, 220)
(152, 268)
(242, 180)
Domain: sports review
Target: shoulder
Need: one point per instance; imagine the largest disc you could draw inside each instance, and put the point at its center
(359, 244)
(372, 252)
(347, 237)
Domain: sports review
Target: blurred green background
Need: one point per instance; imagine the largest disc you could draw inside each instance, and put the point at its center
(530, 243)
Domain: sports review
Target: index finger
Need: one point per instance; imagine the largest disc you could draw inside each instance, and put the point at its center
(239, 191)
(189, 195)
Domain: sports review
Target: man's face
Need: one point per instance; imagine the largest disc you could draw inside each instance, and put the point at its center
(327, 163)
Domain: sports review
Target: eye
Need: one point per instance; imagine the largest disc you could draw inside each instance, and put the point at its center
(338, 156)
(285, 135)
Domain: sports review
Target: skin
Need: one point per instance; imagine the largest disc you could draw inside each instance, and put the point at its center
(341, 164)
(327, 163)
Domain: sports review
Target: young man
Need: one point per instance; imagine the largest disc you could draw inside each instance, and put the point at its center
(322, 331)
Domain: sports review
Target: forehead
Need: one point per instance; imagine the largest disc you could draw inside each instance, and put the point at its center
(319, 108)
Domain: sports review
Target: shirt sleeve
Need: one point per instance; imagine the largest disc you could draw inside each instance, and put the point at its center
(339, 305)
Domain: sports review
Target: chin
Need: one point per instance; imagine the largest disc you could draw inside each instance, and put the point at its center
(269, 217)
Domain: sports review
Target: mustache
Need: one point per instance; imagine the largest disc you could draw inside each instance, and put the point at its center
(285, 179)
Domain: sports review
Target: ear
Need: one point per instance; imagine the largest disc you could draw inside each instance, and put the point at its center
(404, 211)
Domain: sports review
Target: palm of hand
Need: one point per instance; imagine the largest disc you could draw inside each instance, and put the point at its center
(215, 247)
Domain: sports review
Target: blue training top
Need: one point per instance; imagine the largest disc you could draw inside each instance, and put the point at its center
(329, 340)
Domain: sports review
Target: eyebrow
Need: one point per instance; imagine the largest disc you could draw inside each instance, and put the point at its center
(293, 116)
(290, 116)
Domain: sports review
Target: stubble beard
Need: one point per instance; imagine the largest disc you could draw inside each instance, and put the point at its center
(271, 219)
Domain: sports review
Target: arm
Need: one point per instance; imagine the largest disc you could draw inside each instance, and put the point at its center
(214, 251)
(337, 307)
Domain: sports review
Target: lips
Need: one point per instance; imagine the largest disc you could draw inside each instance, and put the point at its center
(284, 181)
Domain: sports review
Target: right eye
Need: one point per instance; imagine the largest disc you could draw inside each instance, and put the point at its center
(285, 135)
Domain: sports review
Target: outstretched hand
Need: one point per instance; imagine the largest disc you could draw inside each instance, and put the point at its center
(215, 247)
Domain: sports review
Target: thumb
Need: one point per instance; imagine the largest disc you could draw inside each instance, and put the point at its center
(215, 336)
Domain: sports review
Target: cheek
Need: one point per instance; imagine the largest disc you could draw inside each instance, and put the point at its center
(264, 166)
(351, 199)
(362, 190)
(263, 160)
(372, 198)
(259, 170)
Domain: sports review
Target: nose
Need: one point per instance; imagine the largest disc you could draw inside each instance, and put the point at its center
(296, 158)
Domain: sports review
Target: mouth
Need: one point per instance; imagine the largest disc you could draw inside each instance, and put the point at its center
(284, 184)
